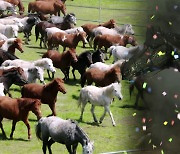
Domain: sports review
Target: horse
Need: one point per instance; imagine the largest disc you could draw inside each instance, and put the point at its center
(84, 60)
(6, 6)
(46, 93)
(59, 20)
(40, 27)
(101, 78)
(4, 55)
(66, 40)
(126, 29)
(50, 7)
(102, 96)
(2, 89)
(61, 60)
(15, 76)
(123, 53)
(89, 27)
(17, 109)
(19, 4)
(105, 67)
(11, 44)
(56, 128)
(43, 63)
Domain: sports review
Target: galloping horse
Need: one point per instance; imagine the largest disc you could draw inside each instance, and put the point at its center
(46, 93)
(62, 131)
(17, 109)
(99, 97)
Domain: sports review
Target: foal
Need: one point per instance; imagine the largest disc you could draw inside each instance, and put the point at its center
(99, 97)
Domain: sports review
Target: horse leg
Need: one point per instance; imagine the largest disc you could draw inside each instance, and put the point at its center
(92, 111)
(74, 147)
(13, 129)
(108, 110)
(52, 107)
(3, 132)
(82, 111)
(69, 149)
(44, 147)
(102, 117)
(28, 127)
(73, 70)
(50, 142)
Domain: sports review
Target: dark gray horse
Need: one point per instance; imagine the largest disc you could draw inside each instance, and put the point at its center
(62, 131)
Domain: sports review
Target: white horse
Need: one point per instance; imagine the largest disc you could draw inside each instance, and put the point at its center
(2, 89)
(44, 63)
(99, 97)
(62, 131)
(6, 6)
(124, 53)
(3, 37)
(105, 67)
(10, 31)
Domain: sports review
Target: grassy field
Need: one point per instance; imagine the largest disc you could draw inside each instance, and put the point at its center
(106, 137)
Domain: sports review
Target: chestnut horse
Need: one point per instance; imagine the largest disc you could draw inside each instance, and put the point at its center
(17, 109)
(50, 7)
(19, 4)
(46, 93)
(61, 60)
(89, 27)
(66, 40)
(101, 78)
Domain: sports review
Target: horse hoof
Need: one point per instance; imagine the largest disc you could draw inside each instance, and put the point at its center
(114, 125)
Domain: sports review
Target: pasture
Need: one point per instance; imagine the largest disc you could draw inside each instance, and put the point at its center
(106, 137)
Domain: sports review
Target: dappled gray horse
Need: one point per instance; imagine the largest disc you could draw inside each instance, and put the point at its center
(62, 131)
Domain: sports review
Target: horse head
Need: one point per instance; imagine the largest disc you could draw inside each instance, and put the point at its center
(117, 90)
(35, 108)
(82, 36)
(88, 147)
(70, 18)
(60, 6)
(60, 85)
(18, 44)
(73, 55)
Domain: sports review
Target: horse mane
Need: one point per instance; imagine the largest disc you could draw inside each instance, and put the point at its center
(80, 130)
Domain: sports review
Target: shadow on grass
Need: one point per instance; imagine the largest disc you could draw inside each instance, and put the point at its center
(89, 123)
(3, 138)
(73, 82)
(35, 47)
(133, 107)
(75, 97)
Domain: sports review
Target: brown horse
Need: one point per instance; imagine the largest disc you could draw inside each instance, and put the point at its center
(66, 40)
(17, 44)
(46, 93)
(19, 4)
(17, 109)
(89, 27)
(61, 60)
(50, 7)
(101, 78)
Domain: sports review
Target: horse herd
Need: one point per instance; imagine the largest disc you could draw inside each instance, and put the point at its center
(55, 30)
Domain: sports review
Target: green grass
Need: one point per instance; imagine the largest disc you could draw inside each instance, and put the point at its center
(106, 137)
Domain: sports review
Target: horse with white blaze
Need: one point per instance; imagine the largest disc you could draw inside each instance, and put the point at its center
(99, 97)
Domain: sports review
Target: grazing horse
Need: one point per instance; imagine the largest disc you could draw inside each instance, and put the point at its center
(61, 60)
(66, 40)
(11, 44)
(46, 93)
(101, 78)
(99, 97)
(17, 109)
(89, 27)
(84, 60)
(50, 7)
(19, 4)
(62, 131)
(40, 28)
(14, 76)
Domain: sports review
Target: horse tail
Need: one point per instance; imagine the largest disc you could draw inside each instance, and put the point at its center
(37, 32)
(83, 80)
(38, 130)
